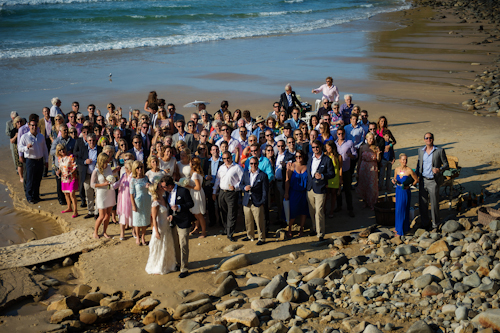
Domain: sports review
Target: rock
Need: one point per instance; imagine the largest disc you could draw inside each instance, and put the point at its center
(234, 262)
(288, 294)
(432, 290)
(158, 316)
(226, 287)
(219, 278)
(403, 250)
(153, 328)
(295, 329)
(262, 303)
(51, 282)
(435, 272)
(70, 302)
(92, 299)
(422, 281)
(81, 290)
(472, 280)
(230, 303)
(335, 262)
(437, 247)
(60, 316)
(232, 248)
(187, 326)
(379, 279)
(461, 313)
(274, 287)
(276, 328)
(489, 319)
(108, 300)
(389, 327)
(182, 309)
(450, 226)
(246, 317)
(355, 279)
(448, 309)
(121, 304)
(495, 272)
(18, 284)
(95, 314)
(282, 312)
(494, 225)
(320, 272)
(420, 327)
(377, 236)
(303, 312)
(132, 330)
(67, 262)
(402, 276)
(257, 281)
(211, 329)
(145, 304)
(422, 260)
(371, 329)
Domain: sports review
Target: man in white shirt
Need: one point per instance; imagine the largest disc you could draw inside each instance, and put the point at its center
(233, 144)
(34, 148)
(228, 181)
(280, 176)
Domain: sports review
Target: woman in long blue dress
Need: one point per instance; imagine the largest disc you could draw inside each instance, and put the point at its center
(404, 177)
(141, 202)
(296, 191)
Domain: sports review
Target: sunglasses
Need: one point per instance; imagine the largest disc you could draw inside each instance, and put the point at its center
(253, 163)
(227, 158)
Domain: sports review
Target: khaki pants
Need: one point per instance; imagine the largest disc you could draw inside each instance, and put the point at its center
(317, 211)
(90, 194)
(181, 244)
(255, 215)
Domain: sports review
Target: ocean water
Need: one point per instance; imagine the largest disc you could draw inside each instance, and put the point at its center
(37, 28)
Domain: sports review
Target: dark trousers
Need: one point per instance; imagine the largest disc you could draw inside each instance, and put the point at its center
(228, 209)
(48, 143)
(34, 173)
(60, 195)
(211, 204)
(346, 189)
(81, 188)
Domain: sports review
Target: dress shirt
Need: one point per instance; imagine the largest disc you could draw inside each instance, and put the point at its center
(345, 111)
(48, 128)
(139, 154)
(232, 144)
(264, 165)
(20, 132)
(182, 137)
(145, 139)
(171, 198)
(280, 137)
(289, 99)
(54, 111)
(215, 167)
(365, 126)
(264, 146)
(315, 164)
(427, 163)
(347, 146)
(228, 176)
(249, 126)
(39, 148)
(295, 123)
(93, 159)
(279, 168)
(153, 119)
(77, 126)
(258, 130)
(253, 177)
(355, 134)
(331, 93)
(243, 143)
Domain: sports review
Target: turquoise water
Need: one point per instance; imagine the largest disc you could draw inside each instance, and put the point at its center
(35, 28)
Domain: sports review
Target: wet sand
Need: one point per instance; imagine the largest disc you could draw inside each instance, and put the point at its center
(402, 73)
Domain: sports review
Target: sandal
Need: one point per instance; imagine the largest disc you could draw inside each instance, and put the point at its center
(74, 215)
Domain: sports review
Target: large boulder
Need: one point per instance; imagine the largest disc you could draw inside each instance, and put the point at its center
(420, 327)
(235, 262)
(159, 316)
(95, 314)
(145, 304)
(228, 285)
(320, 272)
(489, 319)
(274, 287)
(246, 317)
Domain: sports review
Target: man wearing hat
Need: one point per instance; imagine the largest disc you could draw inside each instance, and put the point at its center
(261, 126)
(287, 133)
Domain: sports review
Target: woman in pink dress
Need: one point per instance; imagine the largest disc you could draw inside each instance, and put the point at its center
(69, 179)
(370, 155)
(124, 205)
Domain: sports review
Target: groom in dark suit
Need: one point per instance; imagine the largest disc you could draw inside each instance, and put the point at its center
(180, 202)
(431, 163)
(288, 100)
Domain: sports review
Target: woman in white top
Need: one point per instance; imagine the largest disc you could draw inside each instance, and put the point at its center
(198, 195)
(168, 163)
(183, 165)
(154, 168)
(329, 90)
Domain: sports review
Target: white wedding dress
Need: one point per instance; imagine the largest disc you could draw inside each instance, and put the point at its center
(161, 251)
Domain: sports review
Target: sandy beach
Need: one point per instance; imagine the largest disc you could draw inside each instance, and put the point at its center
(413, 66)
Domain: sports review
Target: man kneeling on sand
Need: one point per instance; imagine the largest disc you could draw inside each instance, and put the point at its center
(179, 201)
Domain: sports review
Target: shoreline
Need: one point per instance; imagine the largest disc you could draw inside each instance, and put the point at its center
(397, 92)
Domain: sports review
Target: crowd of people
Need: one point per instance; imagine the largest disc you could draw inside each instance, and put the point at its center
(154, 168)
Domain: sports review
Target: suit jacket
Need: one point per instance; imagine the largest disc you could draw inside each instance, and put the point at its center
(439, 160)
(188, 138)
(41, 125)
(284, 102)
(184, 218)
(289, 157)
(258, 190)
(81, 153)
(146, 155)
(326, 169)
(207, 170)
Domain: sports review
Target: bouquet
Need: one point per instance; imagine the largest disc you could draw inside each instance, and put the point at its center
(111, 179)
(183, 182)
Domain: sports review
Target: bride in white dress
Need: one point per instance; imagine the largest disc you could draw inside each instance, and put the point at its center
(161, 246)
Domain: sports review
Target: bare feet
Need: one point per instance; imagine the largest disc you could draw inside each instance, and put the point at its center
(202, 236)
(21, 180)
(289, 234)
(96, 236)
(106, 235)
(143, 242)
(195, 231)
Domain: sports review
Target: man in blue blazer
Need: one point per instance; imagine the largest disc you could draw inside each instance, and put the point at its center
(254, 185)
(319, 170)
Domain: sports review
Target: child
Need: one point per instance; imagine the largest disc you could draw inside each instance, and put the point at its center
(386, 162)
(69, 179)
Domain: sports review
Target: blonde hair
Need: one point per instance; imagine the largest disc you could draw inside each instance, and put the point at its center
(102, 162)
(180, 143)
(129, 164)
(130, 157)
(18, 118)
(60, 147)
(134, 168)
(403, 155)
(108, 149)
(151, 159)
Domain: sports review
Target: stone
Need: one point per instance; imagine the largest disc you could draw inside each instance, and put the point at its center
(276, 328)
(230, 303)
(257, 281)
(295, 255)
(110, 299)
(60, 316)
(158, 316)
(450, 226)
(234, 262)
(70, 302)
(232, 248)
(67, 262)
(422, 260)
(494, 225)
(404, 250)
(92, 299)
(219, 278)
(420, 327)
(356, 279)
(448, 309)
(288, 294)
(461, 313)
(274, 287)
(51, 282)
(437, 247)
(432, 290)
(295, 329)
(121, 304)
(495, 272)
(211, 329)
(282, 312)
(95, 314)
(379, 279)
(145, 304)
(435, 272)
(320, 272)
(389, 327)
(153, 328)
(187, 326)
(402, 276)
(262, 303)
(371, 329)
(184, 308)
(303, 312)
(472, 280)
(335, 262)
(228, 285)
(422, 281)
(246, 317)
(489, 319)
